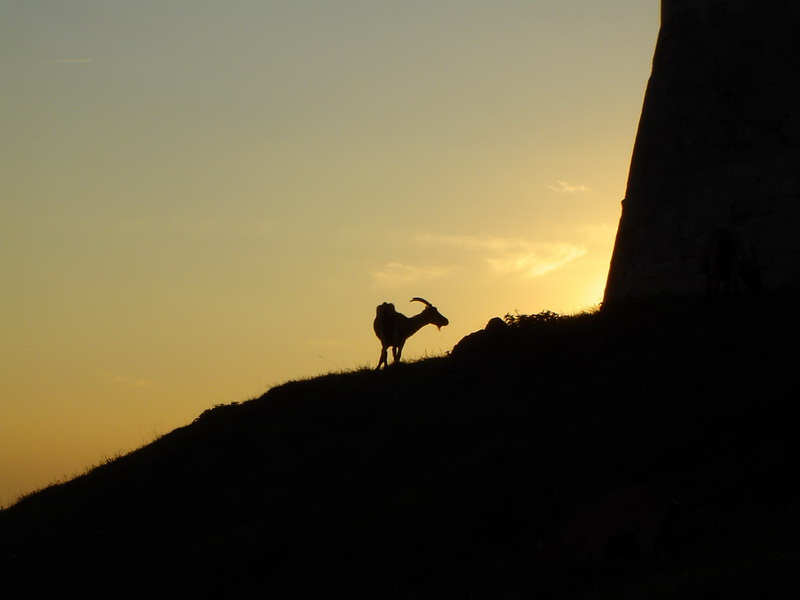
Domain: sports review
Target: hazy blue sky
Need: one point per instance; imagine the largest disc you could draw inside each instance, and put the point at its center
(200, 199)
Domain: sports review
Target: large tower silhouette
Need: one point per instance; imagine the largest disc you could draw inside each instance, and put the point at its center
(718, 145)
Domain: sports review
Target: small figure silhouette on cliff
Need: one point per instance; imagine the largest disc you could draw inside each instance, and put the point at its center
(729, 264)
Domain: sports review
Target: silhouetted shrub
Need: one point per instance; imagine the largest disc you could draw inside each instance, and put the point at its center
(523, 321)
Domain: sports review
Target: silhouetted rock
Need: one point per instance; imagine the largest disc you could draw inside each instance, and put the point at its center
(717, 146)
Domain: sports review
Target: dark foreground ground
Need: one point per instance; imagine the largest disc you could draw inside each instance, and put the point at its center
(448, 478)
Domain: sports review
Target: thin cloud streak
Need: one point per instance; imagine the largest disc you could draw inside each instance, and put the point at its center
(514, 255)
(201, 228)
(544, 259)
(563, 187)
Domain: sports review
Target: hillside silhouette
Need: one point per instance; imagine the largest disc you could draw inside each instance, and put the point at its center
(449, 477)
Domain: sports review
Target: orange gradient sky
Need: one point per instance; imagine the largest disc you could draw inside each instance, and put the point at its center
(201, 199)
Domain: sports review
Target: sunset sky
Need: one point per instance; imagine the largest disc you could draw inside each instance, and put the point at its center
(201, 199)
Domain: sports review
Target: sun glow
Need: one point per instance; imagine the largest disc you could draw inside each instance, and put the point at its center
(192, 216)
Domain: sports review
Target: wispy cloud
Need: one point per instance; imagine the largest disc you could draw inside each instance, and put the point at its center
(63, 61)
(199, 227)
(563, 187)
(394, 275)
(513, 255)
(536, 260)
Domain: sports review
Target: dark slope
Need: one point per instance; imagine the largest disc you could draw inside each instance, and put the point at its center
(436, 479)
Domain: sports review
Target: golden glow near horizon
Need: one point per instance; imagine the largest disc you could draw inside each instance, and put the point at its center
(204, 199)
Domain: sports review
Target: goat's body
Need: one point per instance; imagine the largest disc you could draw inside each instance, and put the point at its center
(729, 264)
(394, 328)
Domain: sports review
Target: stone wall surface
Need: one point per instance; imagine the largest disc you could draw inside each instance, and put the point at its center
(718, 145)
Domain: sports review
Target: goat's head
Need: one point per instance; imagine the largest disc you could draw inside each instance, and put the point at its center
(432, 315)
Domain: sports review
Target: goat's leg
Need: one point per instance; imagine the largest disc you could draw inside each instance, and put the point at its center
(384, 360)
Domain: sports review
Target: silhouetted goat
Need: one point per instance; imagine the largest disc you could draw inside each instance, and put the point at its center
(394, 328)
(729, 263)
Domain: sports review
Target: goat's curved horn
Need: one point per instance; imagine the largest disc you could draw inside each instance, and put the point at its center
(425, 302)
